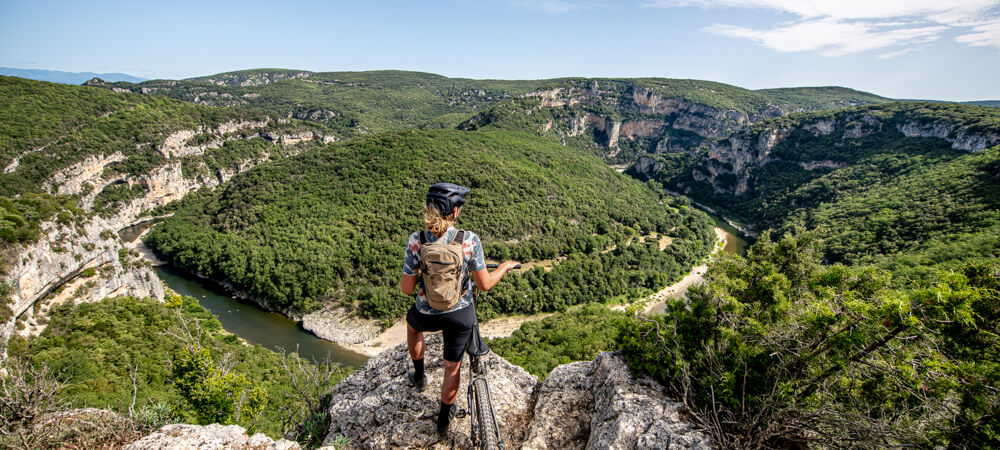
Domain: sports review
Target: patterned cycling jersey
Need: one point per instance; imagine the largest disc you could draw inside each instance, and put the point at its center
(474, 261)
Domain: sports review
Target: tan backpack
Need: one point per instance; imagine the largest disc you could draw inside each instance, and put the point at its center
(442, 265)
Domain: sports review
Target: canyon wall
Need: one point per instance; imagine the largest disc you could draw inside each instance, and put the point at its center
(83, 259)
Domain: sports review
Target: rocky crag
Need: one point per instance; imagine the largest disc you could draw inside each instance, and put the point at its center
(625, 119)
(84, 260)
(726, 165)
(592, 404)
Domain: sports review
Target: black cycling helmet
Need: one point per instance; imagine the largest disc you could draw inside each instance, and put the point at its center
(446, 197)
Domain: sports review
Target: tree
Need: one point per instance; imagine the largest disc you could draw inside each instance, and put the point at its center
(212, 393)
(777, 350)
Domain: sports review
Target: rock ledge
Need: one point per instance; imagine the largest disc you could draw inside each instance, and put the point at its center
(595, 404)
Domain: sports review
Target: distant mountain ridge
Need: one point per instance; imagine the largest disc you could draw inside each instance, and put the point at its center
(990, 103)
(56, 76)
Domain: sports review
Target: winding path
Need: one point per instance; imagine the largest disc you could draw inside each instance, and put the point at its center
(507, 325)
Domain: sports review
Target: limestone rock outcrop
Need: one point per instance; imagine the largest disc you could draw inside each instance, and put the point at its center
(376, 407)
(599, 404)
(961, 138)
(208, 437)
(593, 404)
(732, 158)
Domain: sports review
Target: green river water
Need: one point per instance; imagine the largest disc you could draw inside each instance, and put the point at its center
(247, 320)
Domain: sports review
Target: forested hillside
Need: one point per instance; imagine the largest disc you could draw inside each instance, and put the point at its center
(330, 225)
(907, 185)
(355, 103)
(52, 136)
(350, 103)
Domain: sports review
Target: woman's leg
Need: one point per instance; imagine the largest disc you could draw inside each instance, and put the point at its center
(415, 342)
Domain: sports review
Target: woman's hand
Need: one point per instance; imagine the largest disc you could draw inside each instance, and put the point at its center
(485, 280)
(507, 265)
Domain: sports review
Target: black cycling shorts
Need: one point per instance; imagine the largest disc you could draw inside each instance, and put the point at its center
(455, 328)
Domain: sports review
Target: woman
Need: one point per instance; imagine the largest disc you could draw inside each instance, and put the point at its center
(444, 204)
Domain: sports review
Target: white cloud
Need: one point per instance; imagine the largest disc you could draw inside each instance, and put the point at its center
(841, 27)
(830, 38)
(943, 11)
(982, 35)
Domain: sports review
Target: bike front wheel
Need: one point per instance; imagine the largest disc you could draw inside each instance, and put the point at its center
(489, 434)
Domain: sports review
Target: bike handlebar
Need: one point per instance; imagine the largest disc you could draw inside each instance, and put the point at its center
(494, 266)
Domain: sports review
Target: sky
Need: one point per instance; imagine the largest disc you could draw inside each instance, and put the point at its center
(914, 49)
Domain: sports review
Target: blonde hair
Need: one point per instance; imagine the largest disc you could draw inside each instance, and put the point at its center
(436, 222)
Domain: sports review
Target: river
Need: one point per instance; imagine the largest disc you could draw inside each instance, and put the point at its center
(246, 320)
(735, 245)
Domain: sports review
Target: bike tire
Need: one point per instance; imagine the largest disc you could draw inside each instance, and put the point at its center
(489, 438)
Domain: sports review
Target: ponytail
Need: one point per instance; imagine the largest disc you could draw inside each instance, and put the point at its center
(435, 222)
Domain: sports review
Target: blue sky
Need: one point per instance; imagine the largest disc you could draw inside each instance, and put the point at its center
(939, 49)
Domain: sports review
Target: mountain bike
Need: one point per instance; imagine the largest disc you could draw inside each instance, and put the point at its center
(485, 431)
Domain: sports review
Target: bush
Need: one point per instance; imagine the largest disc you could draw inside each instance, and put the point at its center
(777, 350)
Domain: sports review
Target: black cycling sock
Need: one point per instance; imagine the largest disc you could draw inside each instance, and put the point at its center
(444, 417)
(418, 369)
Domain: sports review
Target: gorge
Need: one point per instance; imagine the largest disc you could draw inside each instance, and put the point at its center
(301, 206)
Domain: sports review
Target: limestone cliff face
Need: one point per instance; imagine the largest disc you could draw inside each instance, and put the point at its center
(726, 163)
(961, 138)
(650, 116)
(594, 404)
(60, 259)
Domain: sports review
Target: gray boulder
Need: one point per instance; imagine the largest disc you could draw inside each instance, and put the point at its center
(599, 405)
(376, 407)
(208, 437)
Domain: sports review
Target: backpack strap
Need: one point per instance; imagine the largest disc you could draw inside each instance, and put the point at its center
(460, 237)
(422, 238)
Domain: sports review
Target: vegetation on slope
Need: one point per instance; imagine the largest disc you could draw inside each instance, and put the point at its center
(48, 127)
(97, 348)
(903, 202)
(777, 350)
(110, 122)
(331, 224)
(350, 103)
(578, 334)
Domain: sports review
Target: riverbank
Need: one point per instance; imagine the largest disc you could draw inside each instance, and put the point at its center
(656, 303)
(396, 334)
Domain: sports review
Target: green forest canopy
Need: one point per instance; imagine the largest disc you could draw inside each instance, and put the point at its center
(331, 224)
(95, 346)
